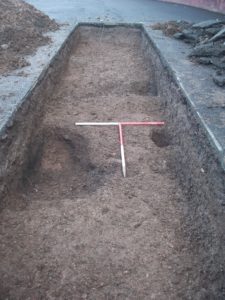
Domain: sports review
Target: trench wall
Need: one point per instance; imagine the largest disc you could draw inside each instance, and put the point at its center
(20, 140)
(197, 167)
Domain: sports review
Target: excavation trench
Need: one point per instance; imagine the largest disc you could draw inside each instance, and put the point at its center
(76, 229)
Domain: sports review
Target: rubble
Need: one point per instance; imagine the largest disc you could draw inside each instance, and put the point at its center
(208, 23)
(208, 50)
(207, 39)
(219, 35)
(171, 27)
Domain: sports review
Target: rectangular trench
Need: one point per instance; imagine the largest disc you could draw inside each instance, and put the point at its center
(73, 227)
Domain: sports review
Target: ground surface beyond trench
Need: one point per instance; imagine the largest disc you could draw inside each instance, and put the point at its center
(79, 230)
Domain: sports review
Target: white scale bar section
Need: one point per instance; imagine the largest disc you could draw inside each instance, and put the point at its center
(97, 124)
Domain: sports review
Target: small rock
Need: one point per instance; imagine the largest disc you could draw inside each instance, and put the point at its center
(219, 79)
(66, 137)
(5, 46)
(204, 60)
(137, 225)
(4, 137)
(179, 36)
(208, 23)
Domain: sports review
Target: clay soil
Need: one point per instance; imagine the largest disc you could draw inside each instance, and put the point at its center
(22, 29)
(78, 229)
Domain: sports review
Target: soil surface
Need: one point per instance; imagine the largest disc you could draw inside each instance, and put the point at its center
(79, 230)
(171, 27)
(21, 31)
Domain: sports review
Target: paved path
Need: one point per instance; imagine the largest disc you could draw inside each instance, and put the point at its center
(120, 10)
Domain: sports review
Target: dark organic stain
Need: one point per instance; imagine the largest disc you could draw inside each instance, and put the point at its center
(161, 138)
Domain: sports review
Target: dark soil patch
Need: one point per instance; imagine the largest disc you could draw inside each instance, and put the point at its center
(161, 137)
(21, 31)
(78, 229)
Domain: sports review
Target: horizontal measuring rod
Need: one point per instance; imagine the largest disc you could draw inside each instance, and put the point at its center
(120, 126)
(117, 123)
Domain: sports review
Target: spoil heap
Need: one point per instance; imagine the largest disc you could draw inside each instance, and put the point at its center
(21, 31)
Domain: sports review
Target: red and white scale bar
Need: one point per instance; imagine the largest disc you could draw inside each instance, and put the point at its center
(120, 126)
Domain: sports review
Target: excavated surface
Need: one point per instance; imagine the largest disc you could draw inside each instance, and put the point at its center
(79, 230)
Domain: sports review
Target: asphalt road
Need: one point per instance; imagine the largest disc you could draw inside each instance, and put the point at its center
(120, 10)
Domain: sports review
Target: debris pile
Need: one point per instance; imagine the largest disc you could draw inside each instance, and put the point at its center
(21, 31)
(172, 27)
(207, 39)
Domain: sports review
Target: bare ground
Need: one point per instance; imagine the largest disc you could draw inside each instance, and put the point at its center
(79, 230)
(22, 29)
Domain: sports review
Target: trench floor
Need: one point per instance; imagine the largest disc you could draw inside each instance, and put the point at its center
(78, 229)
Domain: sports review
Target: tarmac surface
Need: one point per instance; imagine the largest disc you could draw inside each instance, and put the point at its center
(120, 10)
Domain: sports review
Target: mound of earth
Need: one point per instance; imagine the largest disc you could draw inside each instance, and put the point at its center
(171, 27)
(21, 31)
(207, 39)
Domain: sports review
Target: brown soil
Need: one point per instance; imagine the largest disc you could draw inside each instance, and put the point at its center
(21, 32)
(171, 27)
(79, 230)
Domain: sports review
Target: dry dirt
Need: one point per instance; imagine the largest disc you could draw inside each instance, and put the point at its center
(171, 27)
(21, 31)
(79, 230)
